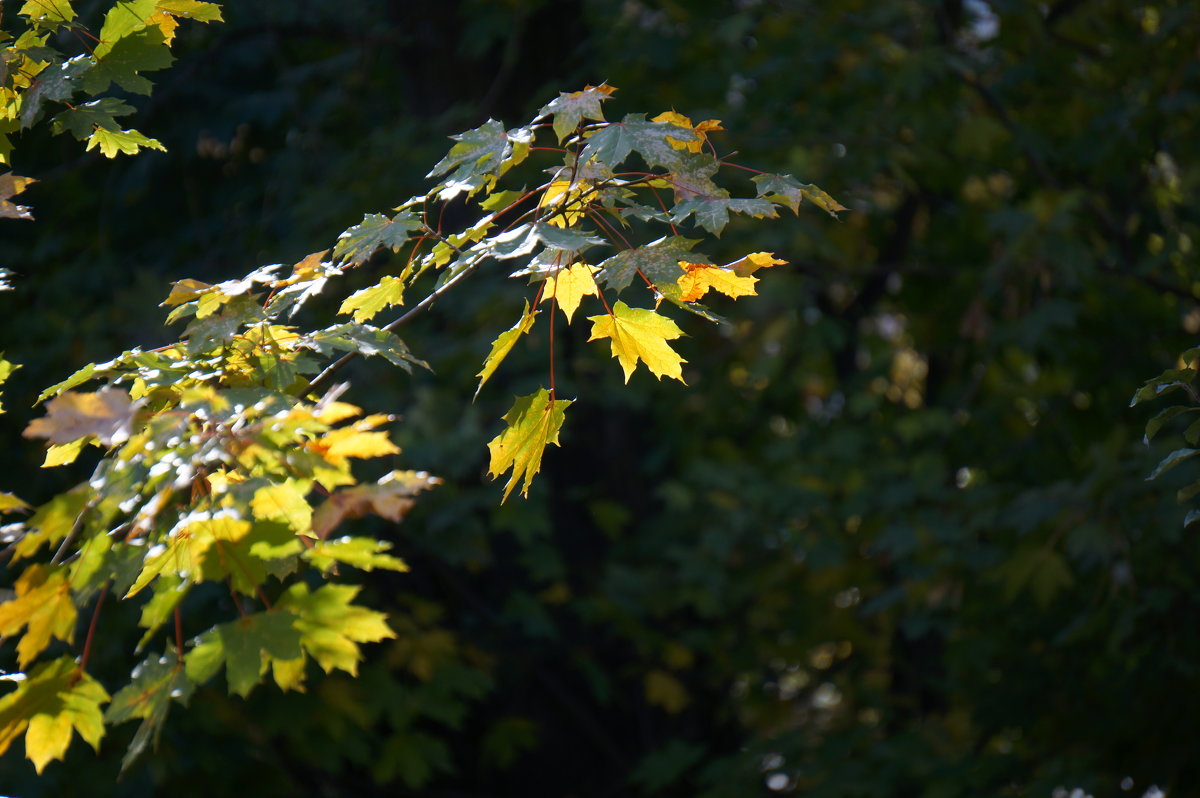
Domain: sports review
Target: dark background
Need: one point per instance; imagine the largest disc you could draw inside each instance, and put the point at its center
(893, 539)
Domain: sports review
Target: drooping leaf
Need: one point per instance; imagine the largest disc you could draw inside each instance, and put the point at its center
(654, 141)
(129, 142)
(366, 341)
(638, 334)
(533, 423)
(504, 344)
(107, 414)
(748, 265)
(155, 683)
(246, 647)
(42, 607)
(569, 286)
(788, 191)
(57, 699)
(331, 627)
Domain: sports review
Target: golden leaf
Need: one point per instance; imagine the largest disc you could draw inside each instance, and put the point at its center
(43, 607)
(697, 278)
(569, 286)
(639, 334)
(533, 423)
(504, 344)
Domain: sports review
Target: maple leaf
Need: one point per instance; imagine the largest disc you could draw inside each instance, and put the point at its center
(701, 130)
(107, 414)
(652, 140)
(330, 627)
(55, 700)
(129, 142)
(638, 334)
(355, 441)
(48, 14)
(391, 498)
(245, 646)
(362, 240)
(753, 262)
(365, 554)
(10, 186)
(366, 303)
(121, 60)
(658, 261)
(43, 607)
(533, 423)
(283, 503)
(569, 286)
(787, 190)
(480, 156)
(366, 341)
(699, 277)
(184, 291)
(504, 344)
(569, 108)
(155, 683)
(563, 199)
(185, 552)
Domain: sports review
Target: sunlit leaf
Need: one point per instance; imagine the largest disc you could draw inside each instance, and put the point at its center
(638, 334)
(532, 424)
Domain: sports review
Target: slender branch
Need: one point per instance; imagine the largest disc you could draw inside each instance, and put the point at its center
(178, 635)
(91, 633)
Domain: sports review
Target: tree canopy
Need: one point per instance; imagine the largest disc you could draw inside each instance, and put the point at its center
(894, 537)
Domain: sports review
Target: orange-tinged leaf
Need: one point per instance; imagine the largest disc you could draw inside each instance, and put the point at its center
(355, 441)
(569, 286)
(43, 607)
(390, 498)
(107, 414)
(57, 698)
(697, 278)
(753, 262)
(700, 130)
(533, 423)
(638, 334)
(504, 344)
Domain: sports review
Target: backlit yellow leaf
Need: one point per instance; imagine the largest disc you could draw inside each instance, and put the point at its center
(533, 423)
(569, 286)
(57, 698)
(368, 302)
(697, 278)
(682, 121)
(283, 503)
(185, 291)
(504, 344)
(753, 262)
(564, 200)
(639, 334)
(43, 607)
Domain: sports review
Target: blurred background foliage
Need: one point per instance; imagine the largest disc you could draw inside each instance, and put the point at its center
(894, 539)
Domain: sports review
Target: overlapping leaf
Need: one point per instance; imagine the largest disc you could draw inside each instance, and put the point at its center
(532, 424)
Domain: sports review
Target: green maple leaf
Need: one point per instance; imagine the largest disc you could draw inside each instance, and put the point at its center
(787, 190)
(368, 302)
(480, 156)
(365, 554)
(504, 344)
(367, 341)
(81, 120)
(122, 62)
(712, 213)
(658, 260)
(569, 108)
(156, 682)
(284, 503)
(331, 627)
(634, 133)
(375, 231)
(245, 646)
(57, 699)
(42, 607)
(47, 14)
(533, 423)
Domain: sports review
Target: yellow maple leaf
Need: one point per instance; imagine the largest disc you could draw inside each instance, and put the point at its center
(697, 278)
(533, 423)
(565, 197)
(43, 607)
(569, 286)
(753, 262)
(284, 503)
(639, 334)
(504, 344)
(701, 130)
(55, 700)
(355, 441)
